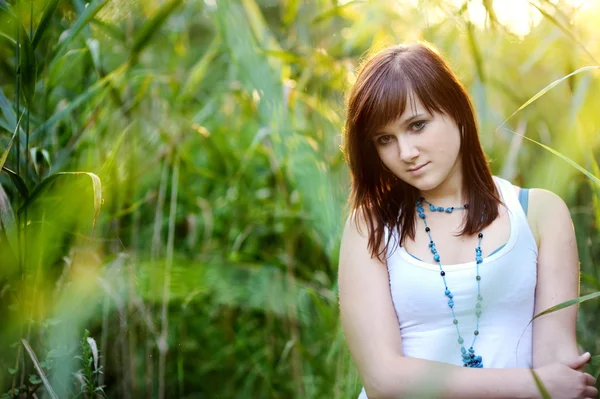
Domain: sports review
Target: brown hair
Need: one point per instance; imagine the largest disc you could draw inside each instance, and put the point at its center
(383, 87)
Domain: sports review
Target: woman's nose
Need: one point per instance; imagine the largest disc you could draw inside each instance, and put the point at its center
(408, 151)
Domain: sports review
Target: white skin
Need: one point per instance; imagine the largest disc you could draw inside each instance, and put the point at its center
(365, 299)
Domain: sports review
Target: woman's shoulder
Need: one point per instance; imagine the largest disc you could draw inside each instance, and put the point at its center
(547, 212)
(545, 209)
(540, 199)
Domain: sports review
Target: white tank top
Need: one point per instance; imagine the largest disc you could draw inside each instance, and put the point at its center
(508, 281)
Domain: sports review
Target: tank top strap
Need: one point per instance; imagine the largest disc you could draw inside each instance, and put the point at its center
(521, 223)
(510, 198)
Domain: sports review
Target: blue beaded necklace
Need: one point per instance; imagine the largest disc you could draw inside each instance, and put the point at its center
(469, 358)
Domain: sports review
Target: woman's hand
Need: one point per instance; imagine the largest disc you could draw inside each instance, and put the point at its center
(563, 381)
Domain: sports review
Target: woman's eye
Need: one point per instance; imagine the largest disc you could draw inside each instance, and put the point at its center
(383, 140)
(416, 126)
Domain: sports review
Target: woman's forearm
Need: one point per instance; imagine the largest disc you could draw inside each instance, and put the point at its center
(404, 377)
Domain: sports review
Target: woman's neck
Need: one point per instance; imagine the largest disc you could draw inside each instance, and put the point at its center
(448, 194)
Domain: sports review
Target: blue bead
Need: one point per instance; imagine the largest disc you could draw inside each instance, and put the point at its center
(448, 210)
(478, 313)
(478, 358)
(460, 340)
(451, 303)
(440, 209)
(463, 350)
(455, 322)
(420, 209)
(436, 257)
(450, 296)
(476, 332)
(479, 298)
(471, 350)
(422, 215)
(447, 292)
(431, 244)
(465, 357)
(433, 251)
(432, 208)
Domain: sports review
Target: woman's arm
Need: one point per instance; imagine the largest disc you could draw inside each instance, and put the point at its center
(371, 330)
(554, 336)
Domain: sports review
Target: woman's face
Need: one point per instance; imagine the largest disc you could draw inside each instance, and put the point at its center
(420, 148)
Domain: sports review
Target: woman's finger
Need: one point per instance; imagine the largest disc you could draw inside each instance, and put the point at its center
(590, 392)
(589, 379)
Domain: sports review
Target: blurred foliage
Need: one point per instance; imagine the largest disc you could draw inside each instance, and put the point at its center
(208, 133)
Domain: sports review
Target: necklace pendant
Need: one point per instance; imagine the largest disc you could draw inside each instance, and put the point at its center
(471, 360)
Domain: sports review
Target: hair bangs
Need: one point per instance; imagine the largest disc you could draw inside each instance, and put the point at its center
(383, 100)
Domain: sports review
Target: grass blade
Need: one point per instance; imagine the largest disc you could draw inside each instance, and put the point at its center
(18, 182)
(37, 366)
(7, 220)
(151, 27)
(540, 385)
(567, 304)
(91, 91)
(7, 110)
(110, 30)
(199, 70)
(28, 67)
(595, 362)
(7, 150)
(47, 182)
(564, 29)
(547, 89)
(44, 22)
(90, 12)
(580, 168)
(334, 11)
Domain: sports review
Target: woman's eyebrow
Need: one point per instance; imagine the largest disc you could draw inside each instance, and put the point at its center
(412, 118)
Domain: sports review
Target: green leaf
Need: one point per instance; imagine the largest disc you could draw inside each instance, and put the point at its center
(47, 182)
(91, 91)
(547, 89)
(564, 29)
(12, 371)
(475, 51)
(44, 22)
(335, 11)
(8, 111)
(27, 66)
(199, 70)
(7, 150)
(34, 379)
(90, 12)
(540, 385)
(564, 157)
(567, 304)
(291, 10)
(151, 27)
(111, 30)
(595, 362)
(18, 182)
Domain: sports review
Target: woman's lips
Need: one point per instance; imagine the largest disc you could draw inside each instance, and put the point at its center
(418, 169)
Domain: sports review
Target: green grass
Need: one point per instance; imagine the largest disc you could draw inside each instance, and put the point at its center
(173, 181)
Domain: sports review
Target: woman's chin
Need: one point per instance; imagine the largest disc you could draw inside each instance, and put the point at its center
(424, 184)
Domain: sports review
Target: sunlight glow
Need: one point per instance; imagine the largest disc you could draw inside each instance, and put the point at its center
(518, 16)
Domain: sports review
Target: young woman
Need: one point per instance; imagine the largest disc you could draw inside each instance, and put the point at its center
(442, 265)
